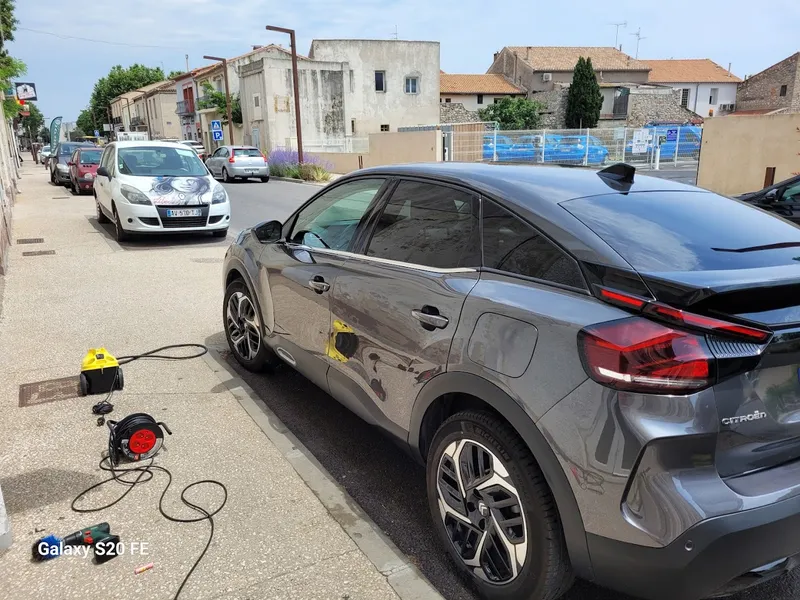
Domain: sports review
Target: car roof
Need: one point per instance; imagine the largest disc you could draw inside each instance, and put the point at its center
(145, 143)
(527, 186)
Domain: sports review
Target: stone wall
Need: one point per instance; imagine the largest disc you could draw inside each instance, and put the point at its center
(762, 91)
(645, 105)
(455, 112)
(555, 102)
(9, 174)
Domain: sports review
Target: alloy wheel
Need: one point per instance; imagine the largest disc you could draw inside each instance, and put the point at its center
(243, 326)
(481, 511)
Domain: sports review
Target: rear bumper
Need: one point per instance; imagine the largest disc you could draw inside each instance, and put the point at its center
(716, 556)
(235, 171)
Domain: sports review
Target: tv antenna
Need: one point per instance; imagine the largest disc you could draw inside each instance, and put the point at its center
(394, 33)
(616, 34)
(639, 37)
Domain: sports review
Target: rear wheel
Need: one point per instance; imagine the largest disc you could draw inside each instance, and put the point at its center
(225, 177)
(494, 512)
(265, 179)
(243, 329)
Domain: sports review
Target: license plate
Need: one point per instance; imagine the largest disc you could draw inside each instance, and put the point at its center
(251, 170)
(184, 212)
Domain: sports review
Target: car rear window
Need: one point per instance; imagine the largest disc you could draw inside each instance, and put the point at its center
(90, 157)
(688, 231)
(247, 152)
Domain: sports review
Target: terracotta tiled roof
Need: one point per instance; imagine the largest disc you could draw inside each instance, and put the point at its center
(693, 70)
(564, 58)
(476, 84)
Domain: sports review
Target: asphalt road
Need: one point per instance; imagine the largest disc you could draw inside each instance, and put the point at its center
(376, 473)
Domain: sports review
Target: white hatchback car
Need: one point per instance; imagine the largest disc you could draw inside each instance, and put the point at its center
(163, 187)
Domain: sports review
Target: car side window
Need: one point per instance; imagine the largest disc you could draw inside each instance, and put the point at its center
(791, 194)
(75, 156)
(430, 225)
(331, 220)
(107, 160)
(512, 245)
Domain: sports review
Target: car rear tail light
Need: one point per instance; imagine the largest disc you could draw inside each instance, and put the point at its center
(640, 355)
(231, 159)
(264, 156)
(683, 319)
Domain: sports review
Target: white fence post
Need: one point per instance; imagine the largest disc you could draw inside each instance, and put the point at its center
(495, 143)
(677, 143)
(586, 154)
(544, 143)
(624, 142)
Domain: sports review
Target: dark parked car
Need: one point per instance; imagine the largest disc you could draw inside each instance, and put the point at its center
(59, 159)
(599, 370)
(782, 198)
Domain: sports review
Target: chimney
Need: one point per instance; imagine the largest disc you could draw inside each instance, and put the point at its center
(255, 47)
(495, 56)
(729, 70)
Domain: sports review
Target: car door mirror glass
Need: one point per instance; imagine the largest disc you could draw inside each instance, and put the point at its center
(268, 232)
(103, 172)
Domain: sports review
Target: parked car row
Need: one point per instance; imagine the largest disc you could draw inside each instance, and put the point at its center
(550, 148)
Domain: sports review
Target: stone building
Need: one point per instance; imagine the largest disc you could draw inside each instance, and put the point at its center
(476, 91)
(774, 89)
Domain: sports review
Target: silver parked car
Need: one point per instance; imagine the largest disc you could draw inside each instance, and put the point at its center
(599, 370)
(238, 162)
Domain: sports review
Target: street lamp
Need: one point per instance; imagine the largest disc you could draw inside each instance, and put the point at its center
(224, 62)
(296, 90)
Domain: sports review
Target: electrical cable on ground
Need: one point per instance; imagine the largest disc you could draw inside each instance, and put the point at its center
(146, 473)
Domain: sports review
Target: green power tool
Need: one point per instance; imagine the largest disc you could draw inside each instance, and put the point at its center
(51, 546)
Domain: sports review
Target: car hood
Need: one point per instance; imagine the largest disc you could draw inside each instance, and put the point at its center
(173, 191)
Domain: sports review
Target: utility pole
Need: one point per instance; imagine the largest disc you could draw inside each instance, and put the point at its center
(187, 63)
(296, 89)
(639, 37)
(616, 34)
(224, 62)
(111, 134)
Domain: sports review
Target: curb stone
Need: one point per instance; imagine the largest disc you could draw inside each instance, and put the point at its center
(404, 578)
(293, 180)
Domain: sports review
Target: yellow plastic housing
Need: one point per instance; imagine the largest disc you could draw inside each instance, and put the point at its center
(98, 358)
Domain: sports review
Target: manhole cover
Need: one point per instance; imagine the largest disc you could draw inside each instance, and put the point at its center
(30, 241)
(207, 260)
(39, 253)
(51, 390)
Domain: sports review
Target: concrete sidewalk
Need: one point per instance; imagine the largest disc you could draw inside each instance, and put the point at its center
(287, 530)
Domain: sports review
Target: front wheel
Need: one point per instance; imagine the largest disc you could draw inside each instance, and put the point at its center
(119, 230)
(494, 512)
(101, 216)
(243, 329)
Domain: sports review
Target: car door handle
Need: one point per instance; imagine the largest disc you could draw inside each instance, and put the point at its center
(319, 285)
(430, 318)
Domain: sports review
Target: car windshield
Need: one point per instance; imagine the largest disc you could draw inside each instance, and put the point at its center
(66, 149)
(90, 157)
(247, 152)
(155, 161)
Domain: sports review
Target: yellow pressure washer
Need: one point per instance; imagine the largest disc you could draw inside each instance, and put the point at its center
(100, 373)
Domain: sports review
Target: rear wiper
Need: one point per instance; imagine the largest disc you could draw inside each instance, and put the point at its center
(757, 248)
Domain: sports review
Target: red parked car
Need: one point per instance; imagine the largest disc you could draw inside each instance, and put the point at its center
(83, 168)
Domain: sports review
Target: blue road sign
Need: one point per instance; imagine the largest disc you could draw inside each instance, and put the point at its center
(217, 134)
(96, 133)
(216, 126)
(672, 135)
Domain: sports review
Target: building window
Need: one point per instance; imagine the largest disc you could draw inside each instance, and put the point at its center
(256, 100)
(447, 99)
(480, 98)
(352, 125)
(384, 128)
(412, 85)
(783, 90)
(380, 81)
(685, 97)
(352, 82)
(712, 98)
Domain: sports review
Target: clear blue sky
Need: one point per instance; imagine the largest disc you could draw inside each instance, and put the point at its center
(65, 70)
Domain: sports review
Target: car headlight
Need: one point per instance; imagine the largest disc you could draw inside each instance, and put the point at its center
(62, 167)
(220, 196)
(133, 195)
(88, 175)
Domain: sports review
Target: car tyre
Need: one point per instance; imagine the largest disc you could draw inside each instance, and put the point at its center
(74, 187)
(265, 179)
(101, 216)
(519, 498)
(243, 329)
(225, 177)
(220, 233)
(119, 231)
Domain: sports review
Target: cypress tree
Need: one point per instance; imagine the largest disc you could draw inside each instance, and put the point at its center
(584, 99)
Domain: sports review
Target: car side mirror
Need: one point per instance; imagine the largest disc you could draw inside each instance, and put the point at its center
(103, 172)
(70, 163)
(771, 196)
(268, 232)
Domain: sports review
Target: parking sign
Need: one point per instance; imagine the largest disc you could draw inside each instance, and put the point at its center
(216, 126)
(672, 135)
(217, 135)
(96, 133)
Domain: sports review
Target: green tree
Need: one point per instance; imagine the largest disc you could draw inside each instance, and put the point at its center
(33, 122)
(217, 100)
(87, 122)
(8, 23)
(44, 133)
(584, 99)
(118, 81)
(76, 134)
(10, 68)
(514, 113)
(174, 74)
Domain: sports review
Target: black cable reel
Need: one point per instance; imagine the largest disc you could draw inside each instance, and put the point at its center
(137, 437)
